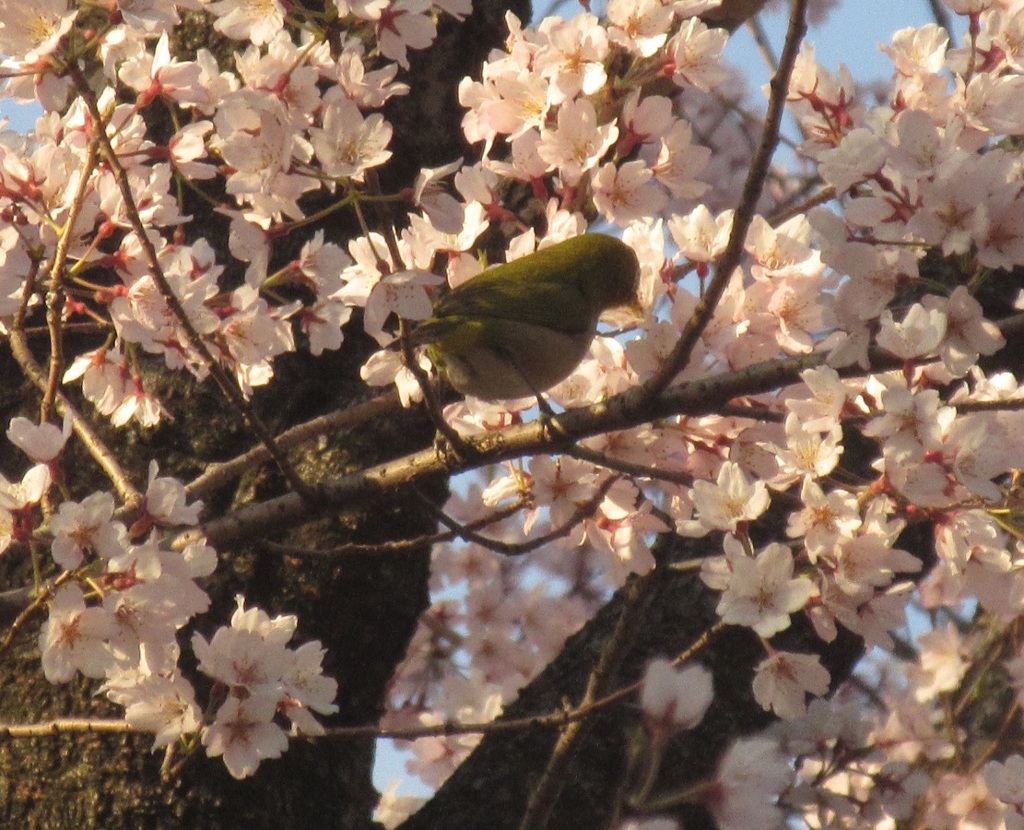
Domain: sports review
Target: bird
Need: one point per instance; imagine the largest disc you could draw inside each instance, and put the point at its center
(521, 327)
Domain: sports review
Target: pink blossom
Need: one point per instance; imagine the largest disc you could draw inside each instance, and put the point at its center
(700, 236)
(163, 705)
(694, 53)
(675, 698)
(750, 776)
(446, 213)
(244, 734)
(403, 25)
(86, 527)
(968, 334)
(573, 58)
(42, 443)
(784, 678)
(1005, 780)
(918, 50)
(628, 192)
(165, 500)
(369, 89)
(350, 143)
(732, 499)
(74, 637)
(867, 560)
(962, 800)
(942, 663)
(824, 519)
(806, 453)
(33, 31)
(403, 293)
(679, 161)
(579, 143)
(639, 25)
(157, 74)
(258, 22)
(762, 591)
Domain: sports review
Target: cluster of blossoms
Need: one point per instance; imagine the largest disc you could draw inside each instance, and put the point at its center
(124, 596)
(594, 118)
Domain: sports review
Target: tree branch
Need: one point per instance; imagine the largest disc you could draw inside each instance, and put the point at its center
(704, 310)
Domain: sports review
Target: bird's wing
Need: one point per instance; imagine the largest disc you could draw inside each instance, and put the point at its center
(551, 303)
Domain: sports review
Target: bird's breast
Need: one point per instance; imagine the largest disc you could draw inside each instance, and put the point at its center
(517, 361)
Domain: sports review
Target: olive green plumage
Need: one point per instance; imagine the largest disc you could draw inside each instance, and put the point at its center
(520, 328)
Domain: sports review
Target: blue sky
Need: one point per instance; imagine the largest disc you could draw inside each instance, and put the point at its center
(850, 35)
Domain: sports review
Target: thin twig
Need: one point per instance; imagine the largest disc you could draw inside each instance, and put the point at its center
(618, 412)
(37, 603)
(1011, 405)
(66, 726)
(629, 468)
(126, 491)
(558, 717)
(826, 194)
(77, 328)
(704, 310)
(55, 294)
(943, 18)
(356, 548)
(583, 511)
(545, 793)
(221, 474)
(227, 386)
(764, 44)
(47, 382)
(751, 413)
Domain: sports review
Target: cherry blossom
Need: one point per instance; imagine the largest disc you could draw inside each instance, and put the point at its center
(732, 499)
(825, 518)
(248, 21)
(159, 75)
(573, 55)
(73, 638)
(31, 32)
(628, 192)
(639, 26)
(761, 591)
(244, 734)
(675, 698)
(86, 527)
(700, 236)
(43, 442)
(578, 144)
(349, 144)
(165, 706)
(166, 500)
(402, 25)
(784, 678)
(1003, 781)
(694, 53)
(751, 774)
